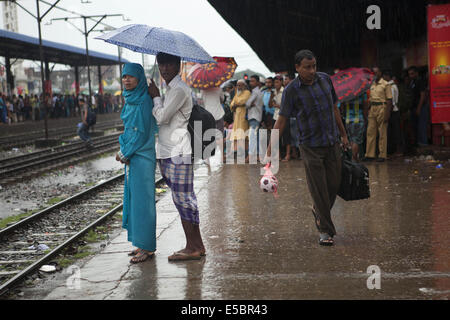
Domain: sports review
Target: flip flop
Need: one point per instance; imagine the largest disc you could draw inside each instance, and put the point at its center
(134, 252)
(142, 256)
(181, 256)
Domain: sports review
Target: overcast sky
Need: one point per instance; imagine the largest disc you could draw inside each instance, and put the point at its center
(197, 18)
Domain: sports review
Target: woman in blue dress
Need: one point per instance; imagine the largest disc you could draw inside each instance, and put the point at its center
(137, 152)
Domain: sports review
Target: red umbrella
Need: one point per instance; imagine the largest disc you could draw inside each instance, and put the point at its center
(352, 82)
(212, 75)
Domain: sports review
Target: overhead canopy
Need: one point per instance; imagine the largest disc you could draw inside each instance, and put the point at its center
(20, 46)
(333, 29)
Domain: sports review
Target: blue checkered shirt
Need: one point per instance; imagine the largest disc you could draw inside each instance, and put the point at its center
(313, 107)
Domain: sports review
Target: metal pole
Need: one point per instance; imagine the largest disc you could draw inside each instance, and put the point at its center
(41, 54)
(87, 61)
(120, 69)
(120, 76)
(9, 77)
(143, 62)
(77, 81)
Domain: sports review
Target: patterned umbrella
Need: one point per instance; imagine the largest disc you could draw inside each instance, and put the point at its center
(152, 40)
(211, 75)
(352, 82)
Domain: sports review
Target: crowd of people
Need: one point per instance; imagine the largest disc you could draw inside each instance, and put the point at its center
(19, 108)
(391, 118)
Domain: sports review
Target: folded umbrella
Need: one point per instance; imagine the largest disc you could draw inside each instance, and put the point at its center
(152, 40)
(351, 83)
(212, 75)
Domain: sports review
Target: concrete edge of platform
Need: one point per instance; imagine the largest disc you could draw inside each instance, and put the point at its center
(102, 274)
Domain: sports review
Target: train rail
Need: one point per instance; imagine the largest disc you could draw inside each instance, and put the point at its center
(9, 142)
(58, 227)
(29, 165)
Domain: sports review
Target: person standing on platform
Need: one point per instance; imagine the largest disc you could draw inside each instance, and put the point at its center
(268, 93)
(395, 139)
(354, 111)
(419, 107)
(311, 98)
(254, 107)
(240, 124)
(2, 109)
(137, 152)
(174, 152)
(212, 100)
(285, 139)
(380, 107)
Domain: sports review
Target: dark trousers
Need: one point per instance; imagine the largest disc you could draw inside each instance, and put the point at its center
(83, 132)
(323, 167)
(395, 137)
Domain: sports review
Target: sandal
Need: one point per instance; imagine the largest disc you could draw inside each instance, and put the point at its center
(134, 252)
(142, 256)
(182, 256)
(326, 240)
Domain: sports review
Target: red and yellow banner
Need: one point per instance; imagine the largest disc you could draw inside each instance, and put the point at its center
(439, 61)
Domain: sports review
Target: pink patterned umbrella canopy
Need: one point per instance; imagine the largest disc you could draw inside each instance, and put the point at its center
(352, 82)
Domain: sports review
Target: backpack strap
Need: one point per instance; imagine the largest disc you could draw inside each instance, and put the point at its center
(189, 125)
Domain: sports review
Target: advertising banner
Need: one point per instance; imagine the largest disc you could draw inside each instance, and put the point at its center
(439, 61)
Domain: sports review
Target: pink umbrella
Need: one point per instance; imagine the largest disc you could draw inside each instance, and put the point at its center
(352, 82)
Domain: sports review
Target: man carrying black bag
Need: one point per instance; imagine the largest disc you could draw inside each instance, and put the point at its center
(311, 99)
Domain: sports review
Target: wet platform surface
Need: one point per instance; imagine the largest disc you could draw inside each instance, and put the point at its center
(259, 247)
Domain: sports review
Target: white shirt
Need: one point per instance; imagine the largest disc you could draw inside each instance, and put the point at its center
(394, 90)
(277, 99)
(211, 100)
(255, 111)
(172, 117)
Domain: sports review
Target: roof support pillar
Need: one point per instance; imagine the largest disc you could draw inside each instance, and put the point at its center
(9, 76)
(77, 81)
(100, 87)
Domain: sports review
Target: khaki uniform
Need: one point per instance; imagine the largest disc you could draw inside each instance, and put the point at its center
(380, 92)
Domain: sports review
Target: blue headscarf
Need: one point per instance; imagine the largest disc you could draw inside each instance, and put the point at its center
(138, 103)
(139, 94)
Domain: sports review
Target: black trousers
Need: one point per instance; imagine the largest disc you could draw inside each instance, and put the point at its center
(323, 167)
(395, 136)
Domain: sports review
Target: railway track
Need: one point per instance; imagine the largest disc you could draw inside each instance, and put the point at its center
(15, 141)
(25, 166)
(58, 227)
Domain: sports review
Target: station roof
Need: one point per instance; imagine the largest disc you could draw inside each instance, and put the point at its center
(332, 29)
(20, 46)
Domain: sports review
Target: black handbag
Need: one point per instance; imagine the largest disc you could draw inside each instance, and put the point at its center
(354, 180)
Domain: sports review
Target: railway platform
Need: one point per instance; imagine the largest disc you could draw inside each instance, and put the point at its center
(38, 126)
(391, 246)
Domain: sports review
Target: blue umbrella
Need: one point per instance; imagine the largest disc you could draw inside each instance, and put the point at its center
(152, 40)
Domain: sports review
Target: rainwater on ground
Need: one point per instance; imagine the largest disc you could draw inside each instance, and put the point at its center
(37, 192)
